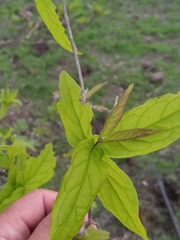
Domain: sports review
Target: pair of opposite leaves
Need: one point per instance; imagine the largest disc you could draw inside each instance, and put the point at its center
(92, 173)
(141, 130)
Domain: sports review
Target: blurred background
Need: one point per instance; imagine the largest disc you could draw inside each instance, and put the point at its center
(123, 42)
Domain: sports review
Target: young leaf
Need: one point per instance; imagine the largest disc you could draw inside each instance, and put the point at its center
(10, 190)
(47, 11)
(38, 170)
(78, 190)
(119, 196)
(130, 134)
(101, 108)
(13, 151)
(3, 110)
(69, 154)
(5, 192)
(89, 93)
(5, 134)
(7, 98)
(35, 172)
(13, 194)
(3, 160)
(75, 116)
(116, 114)
(93, 234)
(94, 89)
(93, 206)
(162, 112)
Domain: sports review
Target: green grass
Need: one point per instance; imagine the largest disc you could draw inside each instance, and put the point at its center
(121, 36)
(114, 47)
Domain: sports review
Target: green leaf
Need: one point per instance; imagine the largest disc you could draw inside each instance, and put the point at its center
(78, 190)
(101, 108)
(116, 114)
(75, 116)
(30, 144)
(13, 151)
(47, 11)
(119, 196)
(26, 176)
(8, 189)
(162, 112)
(3, 110)
(3, 160)
(8, 97)
(5, 193)
(126, 135)
(93, 234)
(11, 96)
(38, 170)
(88, 94)
(12, 195)
(7, 133)
(94, 89)
(69, 154)
(16, 148)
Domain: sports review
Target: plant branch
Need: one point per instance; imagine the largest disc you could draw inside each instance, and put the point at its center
(89, 221)
(83, 229)
(74, 51)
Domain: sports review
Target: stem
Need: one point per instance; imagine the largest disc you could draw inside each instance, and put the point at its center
(82, 231)
(74, 51)
(89, 219)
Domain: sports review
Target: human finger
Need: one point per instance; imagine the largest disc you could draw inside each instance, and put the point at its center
(42, 230)
(20, 219)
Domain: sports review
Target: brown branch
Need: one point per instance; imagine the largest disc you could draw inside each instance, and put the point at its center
(71, 38)
(19, 41)
(89, 222)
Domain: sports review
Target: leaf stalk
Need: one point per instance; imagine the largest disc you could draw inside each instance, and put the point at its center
(71, 38)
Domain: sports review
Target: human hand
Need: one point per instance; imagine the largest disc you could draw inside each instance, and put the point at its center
(28, 217)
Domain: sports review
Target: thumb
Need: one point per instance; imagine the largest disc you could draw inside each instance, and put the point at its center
(42, 231)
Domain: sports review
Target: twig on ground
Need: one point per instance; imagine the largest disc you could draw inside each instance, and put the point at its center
(167, 202)
(5, 2)
(36, 26)
(74, 51)
(19, 41)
